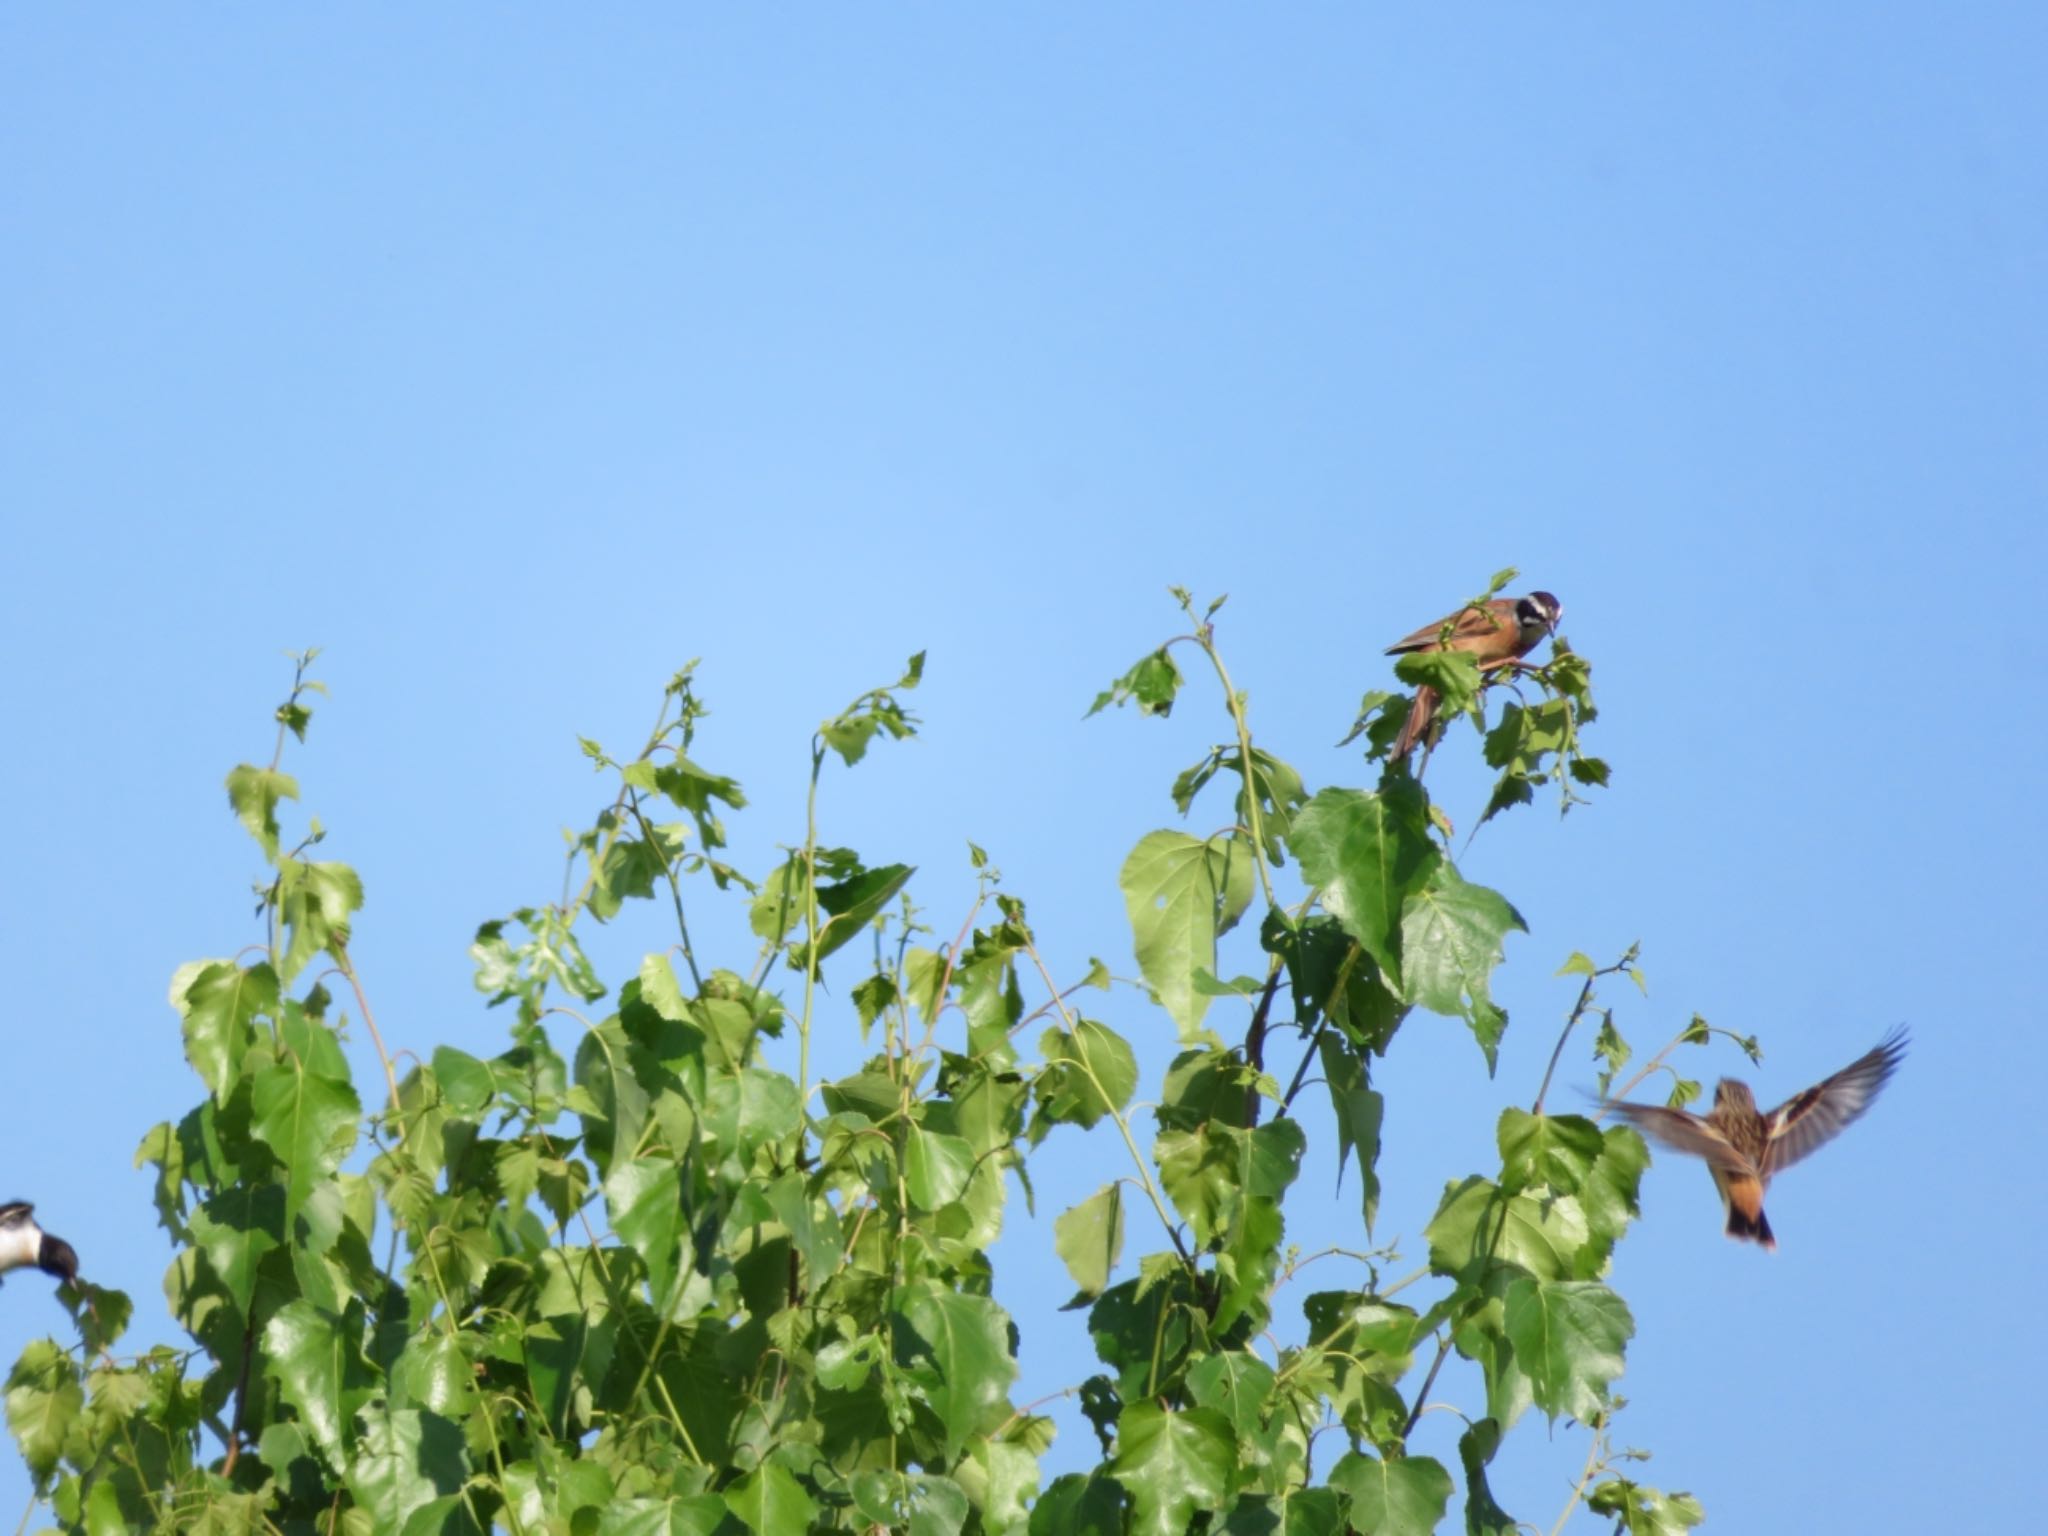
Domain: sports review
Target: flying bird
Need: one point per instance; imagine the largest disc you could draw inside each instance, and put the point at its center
(1497, 633)
(22, 1243)
(1745, 1150)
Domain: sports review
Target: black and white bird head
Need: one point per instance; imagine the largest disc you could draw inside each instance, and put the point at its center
(23, 1243)
(1537, 615)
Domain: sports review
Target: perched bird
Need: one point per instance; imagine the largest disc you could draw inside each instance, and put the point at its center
(1745, 1149)
(1497, 632)
(22, 1242)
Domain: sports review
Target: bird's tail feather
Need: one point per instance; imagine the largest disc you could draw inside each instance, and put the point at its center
(1755, 1229)
(1421, 716)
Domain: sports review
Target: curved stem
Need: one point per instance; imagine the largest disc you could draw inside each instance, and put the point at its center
(1593, 1464)
(803, 1028)
(1123, 1125)
(348, 970)
(675, 890)
(1205, 637)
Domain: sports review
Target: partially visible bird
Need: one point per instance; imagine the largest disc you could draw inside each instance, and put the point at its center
(1496, 632)
(1745, 1150)
(22, 1243)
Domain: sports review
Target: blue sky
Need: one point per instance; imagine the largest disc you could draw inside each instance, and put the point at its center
(516, 357)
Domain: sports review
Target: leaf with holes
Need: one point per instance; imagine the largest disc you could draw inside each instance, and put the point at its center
(1181, 893)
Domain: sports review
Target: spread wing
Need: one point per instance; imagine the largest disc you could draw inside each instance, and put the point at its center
(14, 1212)
(1808, 1120)
(1466, 624)
(1686, 1132)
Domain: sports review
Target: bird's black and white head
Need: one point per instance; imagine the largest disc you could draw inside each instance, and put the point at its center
(1537, 614)
(23, 1243)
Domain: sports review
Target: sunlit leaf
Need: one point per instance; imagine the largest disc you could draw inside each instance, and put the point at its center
(1368, 854)
(1180, 893)
(1406, 1496)
(1172, 1464)
(1451, 936)
(1089, 1238)
(1569, 1337)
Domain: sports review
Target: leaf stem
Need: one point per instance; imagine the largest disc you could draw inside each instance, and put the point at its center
(675, 888)
(348, 971)
(1205, 636)
(1594, 1461)
(803, 1028)
(1123, 1126)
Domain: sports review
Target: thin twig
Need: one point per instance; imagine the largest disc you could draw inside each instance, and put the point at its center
(1123, 1125)
(1255, 1044)
(1593, 1462)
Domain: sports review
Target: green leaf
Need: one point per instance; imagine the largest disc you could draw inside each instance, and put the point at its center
(1181, 893)
(466, 1083)
(918, 1504)
(1475, 1222)
(1368, 854)
(1569, 1337)
(219, 1003)
(317, 1360)
(1359, 1111)
(1088, 1074)
(956, 1349)
(692, 789)
(1451, 935)
(698, 1515)
(315, 902)
(406, 1460)
(1080, 1506)
(630, 868)
(812, 1224)
(645, 1198)
(850, 905)
(770, 1502)
(1483, 1517)
(936, 1167)
(1151, 684)
(44, 1400)
(1001, 1478)
(1298, 1512)
(1089, 1238)
(1547, 1151)
(745, 1110)
(1403, 1497)
(1331, 975)
(1236, 1385)
(308, 1121)
(254, 793)
(1172, 1465)
(452, 1514)
(1454, 675)
(235, 1229)
(845, 1364)
(1645, 1511)
(1609, 1193)
(565, 1353)
(434, 1372)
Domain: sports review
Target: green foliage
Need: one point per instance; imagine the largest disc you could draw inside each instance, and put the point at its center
(647, 1275)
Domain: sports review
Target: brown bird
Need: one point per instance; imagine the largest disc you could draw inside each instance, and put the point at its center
(1498, 632)
(1744, 1149)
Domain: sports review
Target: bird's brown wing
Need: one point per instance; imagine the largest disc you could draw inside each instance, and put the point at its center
(1686, 1132)
(1467, 624)
(1807, 1120)
(13, 1211)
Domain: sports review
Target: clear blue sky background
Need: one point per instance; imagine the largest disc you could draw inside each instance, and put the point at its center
(517, 355)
